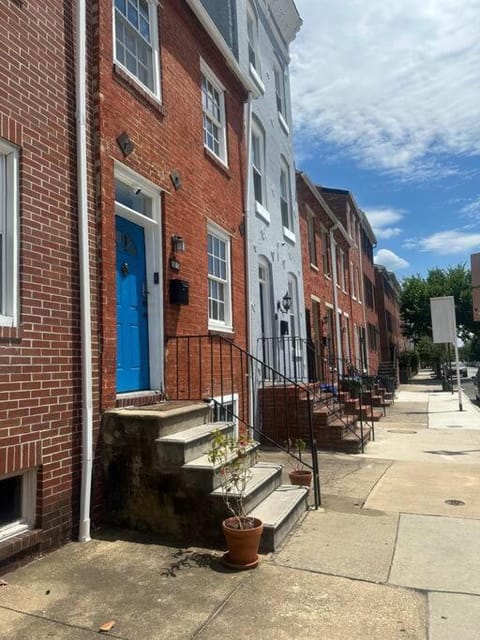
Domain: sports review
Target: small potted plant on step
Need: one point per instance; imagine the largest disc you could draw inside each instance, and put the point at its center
(233, 458)
(299, 475)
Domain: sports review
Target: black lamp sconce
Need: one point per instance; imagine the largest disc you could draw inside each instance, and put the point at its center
(285, 303)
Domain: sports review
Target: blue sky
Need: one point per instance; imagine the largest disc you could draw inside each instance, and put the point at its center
(386, 103)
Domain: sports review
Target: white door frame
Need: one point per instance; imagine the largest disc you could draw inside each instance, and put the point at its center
(153, 258)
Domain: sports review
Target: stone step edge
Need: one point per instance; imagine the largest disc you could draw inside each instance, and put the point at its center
(286, 507)
(262, 472)
(202, 462)
(194, 433)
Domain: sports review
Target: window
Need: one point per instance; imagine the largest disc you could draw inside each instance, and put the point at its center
(226, 410)
(219, 281)
(343, 270)
(369, 292)
(17, 503)
(136, 41)
(312, 245)
(8, 235)
(252, 37)
(326, 254)
(285, 197)
(281, 94)
(214, 120)
(372, 337)
(258, 164)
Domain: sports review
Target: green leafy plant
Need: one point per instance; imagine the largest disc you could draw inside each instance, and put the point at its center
(233, 458)
(298, 447)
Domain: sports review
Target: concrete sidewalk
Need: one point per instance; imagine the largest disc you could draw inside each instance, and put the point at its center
(386, 556)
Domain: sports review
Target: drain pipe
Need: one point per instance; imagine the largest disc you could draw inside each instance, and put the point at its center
(84, 268)
(251, 373)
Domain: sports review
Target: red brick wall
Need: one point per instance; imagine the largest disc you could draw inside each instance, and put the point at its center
(169, 137)
(40, 394)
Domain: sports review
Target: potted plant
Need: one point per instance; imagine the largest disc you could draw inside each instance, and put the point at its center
(233, 458)
(299, 475)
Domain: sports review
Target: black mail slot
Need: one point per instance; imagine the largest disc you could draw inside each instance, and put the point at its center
(178, 292)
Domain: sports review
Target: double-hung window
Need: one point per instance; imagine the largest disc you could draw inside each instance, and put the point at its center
(286, 197)
(214, 117)
(219, 280)
(136, 41)
(312, 245)
(8, 235)
(281, 94)
(252, 42)
(257, 166)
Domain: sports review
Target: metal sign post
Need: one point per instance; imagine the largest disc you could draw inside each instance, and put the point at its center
(444, 329)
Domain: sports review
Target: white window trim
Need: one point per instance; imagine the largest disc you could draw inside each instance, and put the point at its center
(210, 75)
(9, 315)
(255, 70)
(258, 132)
(289, 235)
(153, 264)
(227, 399)
(283, 124)
(257, 79)
(153, 16)
(28, 505)
(227, 324)
(262, 212)
(285, 168)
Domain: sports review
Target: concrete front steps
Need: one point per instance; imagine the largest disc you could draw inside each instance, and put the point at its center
(158, 477)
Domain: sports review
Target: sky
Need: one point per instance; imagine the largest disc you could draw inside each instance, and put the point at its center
(386, 104)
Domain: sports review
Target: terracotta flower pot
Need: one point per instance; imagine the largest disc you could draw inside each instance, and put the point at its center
(242, 544)
(302, 477)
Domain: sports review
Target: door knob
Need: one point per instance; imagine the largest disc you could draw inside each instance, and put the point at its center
(124, 268)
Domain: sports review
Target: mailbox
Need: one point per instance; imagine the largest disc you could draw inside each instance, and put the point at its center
(178, 292)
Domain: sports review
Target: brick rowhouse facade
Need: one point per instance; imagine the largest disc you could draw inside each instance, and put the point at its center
(40, 368)
(167, 134)
(324, 276)
(368, 240)
(388, 309)
(343, 205)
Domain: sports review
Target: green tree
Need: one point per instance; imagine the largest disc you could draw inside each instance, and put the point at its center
(415, 301)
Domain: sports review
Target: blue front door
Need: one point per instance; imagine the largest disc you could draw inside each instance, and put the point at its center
(132, 311)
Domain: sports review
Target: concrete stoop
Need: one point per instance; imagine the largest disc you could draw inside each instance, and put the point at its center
(160, 479)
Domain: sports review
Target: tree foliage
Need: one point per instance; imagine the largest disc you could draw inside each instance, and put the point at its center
(415, 301)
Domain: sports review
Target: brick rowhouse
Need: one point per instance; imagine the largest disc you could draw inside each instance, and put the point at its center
(40, 374)
(195, 188)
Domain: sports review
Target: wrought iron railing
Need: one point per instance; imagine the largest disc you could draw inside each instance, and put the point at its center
(274, 408)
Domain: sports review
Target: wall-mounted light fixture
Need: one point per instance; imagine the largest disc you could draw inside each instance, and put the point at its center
(285, 303)
(178, 244)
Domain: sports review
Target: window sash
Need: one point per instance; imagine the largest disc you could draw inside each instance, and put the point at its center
(257, 168)
(312, 247)
(213, 117)
(218, 279)
(280, 89)
(252, 40)
(285, 203)
(134, 36)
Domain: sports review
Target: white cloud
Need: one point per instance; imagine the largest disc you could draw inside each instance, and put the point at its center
(472, 209)
(390, 260)
(394, 83)
(450, 242)
(382, 220)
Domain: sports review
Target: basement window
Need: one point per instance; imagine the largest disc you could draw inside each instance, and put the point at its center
(17, 503)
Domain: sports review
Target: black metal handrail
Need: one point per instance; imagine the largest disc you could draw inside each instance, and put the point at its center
(265, 402)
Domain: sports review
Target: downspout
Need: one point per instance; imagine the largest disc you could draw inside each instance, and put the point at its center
(84, 268)
(248, 134)
(333, 252)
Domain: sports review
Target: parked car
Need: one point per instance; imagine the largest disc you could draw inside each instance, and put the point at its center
(452, 371)
(476, 382)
